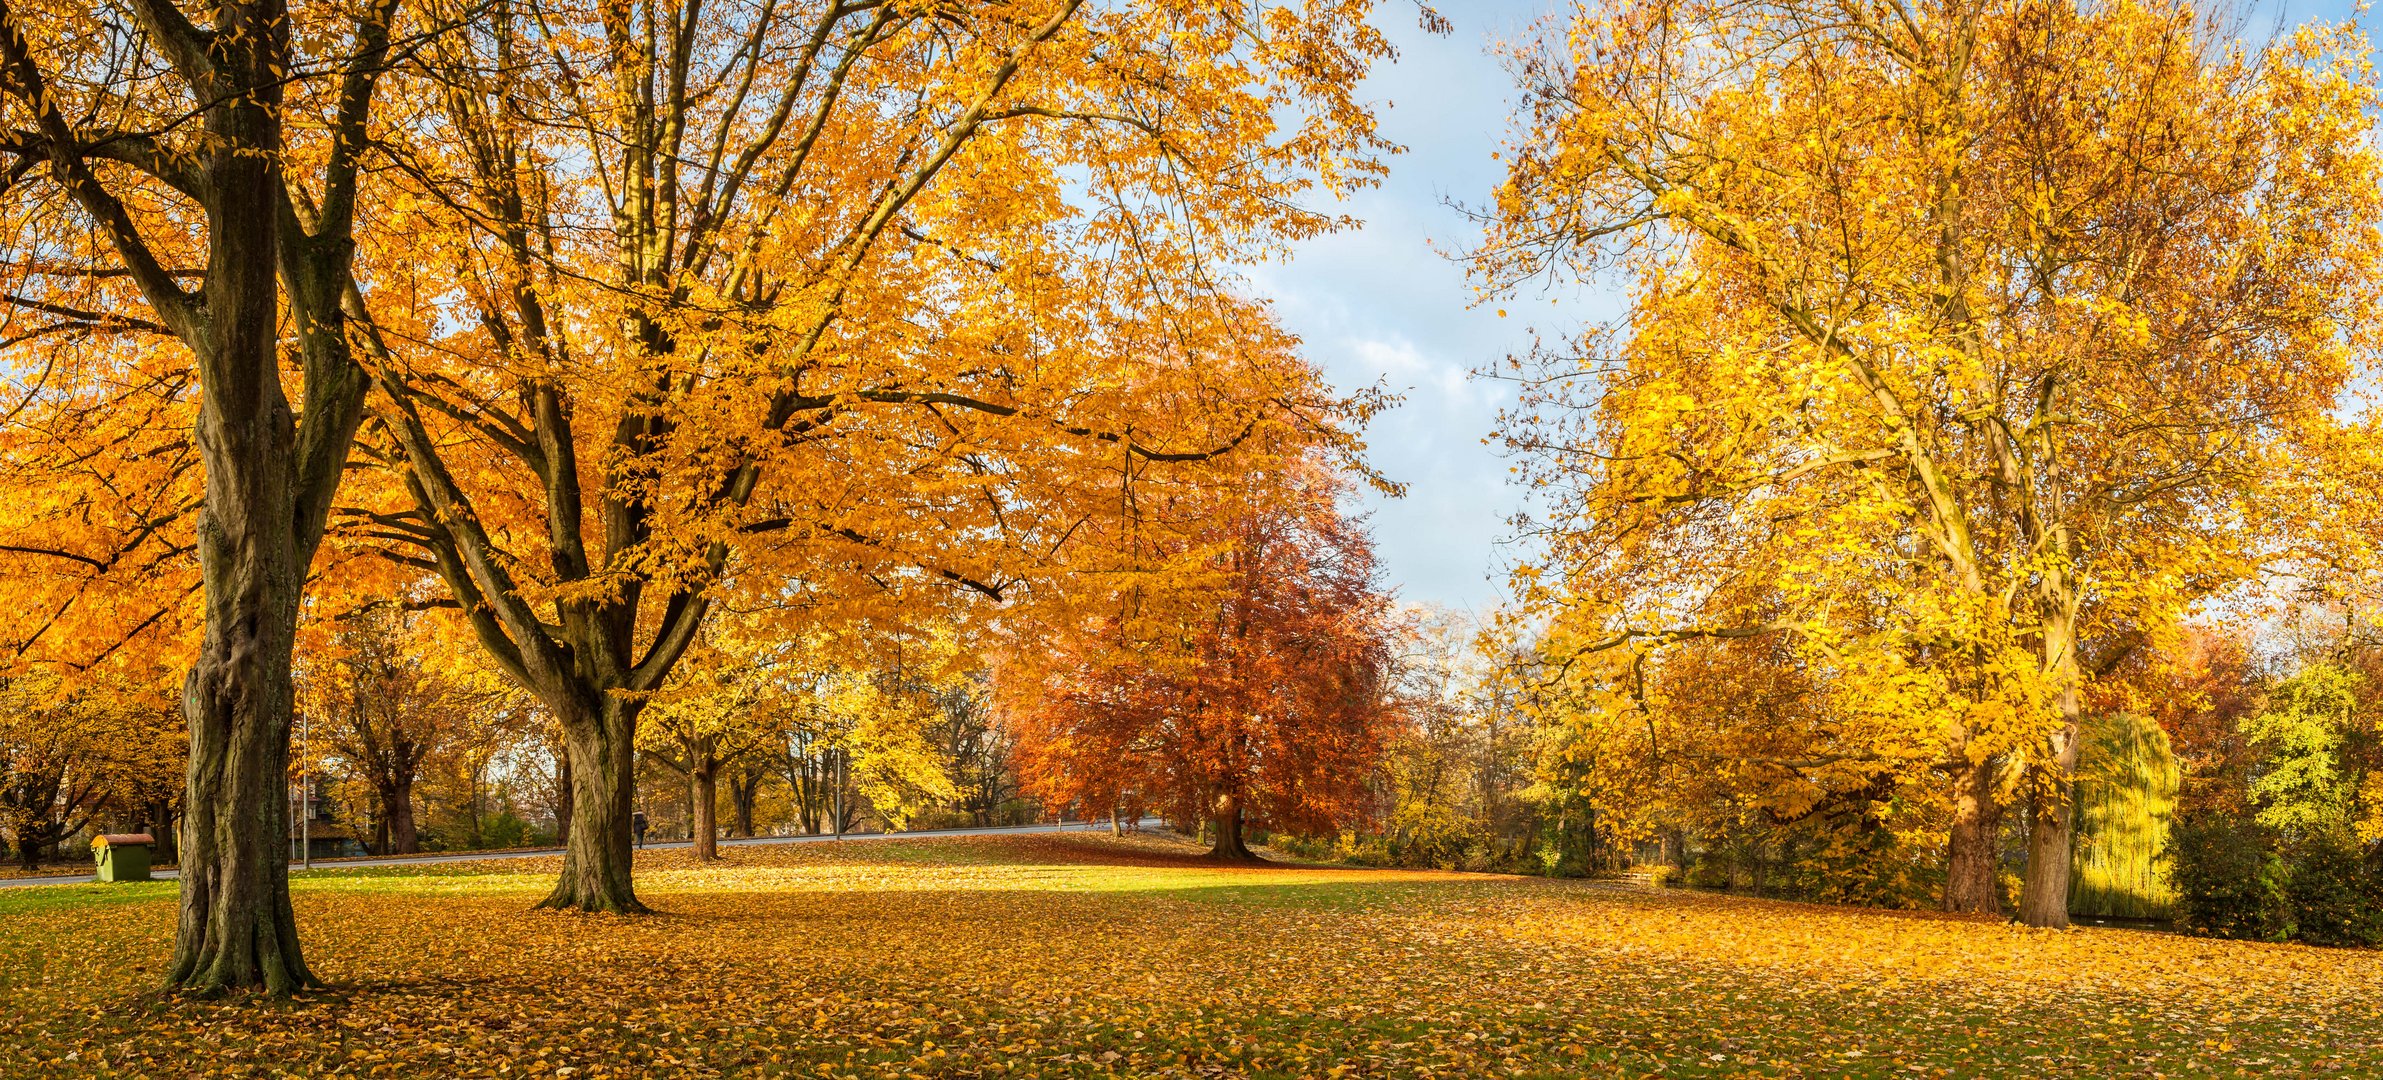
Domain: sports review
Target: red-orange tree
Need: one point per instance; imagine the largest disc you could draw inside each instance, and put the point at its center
(1255, 695)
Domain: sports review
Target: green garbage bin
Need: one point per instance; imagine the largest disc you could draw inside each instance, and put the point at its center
(122, 856)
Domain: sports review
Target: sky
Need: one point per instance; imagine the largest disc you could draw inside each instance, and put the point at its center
(1382, 303)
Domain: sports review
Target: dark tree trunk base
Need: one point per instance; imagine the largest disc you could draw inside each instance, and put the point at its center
(1970, 885)
(567, 899)
(1229, 845)
(2044, 900)
(243, 954)
(598, 858)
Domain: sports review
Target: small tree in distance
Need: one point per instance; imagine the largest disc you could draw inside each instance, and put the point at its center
(1257, 697)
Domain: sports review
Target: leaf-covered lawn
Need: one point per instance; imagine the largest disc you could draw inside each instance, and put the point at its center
(1048, 956)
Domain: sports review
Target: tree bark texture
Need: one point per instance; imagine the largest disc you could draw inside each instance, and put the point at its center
(397, 808)
(269, 481)
(1227, 820)
(1972, 851)
(237, 930)
(2044, 900)
(563, 800)
(597, 859)
(703, 793)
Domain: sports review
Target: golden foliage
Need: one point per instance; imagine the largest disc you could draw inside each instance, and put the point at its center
(1968, 348)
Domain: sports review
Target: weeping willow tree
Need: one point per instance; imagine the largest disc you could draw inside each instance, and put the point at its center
(2127, 779)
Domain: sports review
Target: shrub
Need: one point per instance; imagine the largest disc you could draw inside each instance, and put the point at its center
(1863, 864)
(2227, 880)
(2332, 893)
(1656, 873)
(507, 830)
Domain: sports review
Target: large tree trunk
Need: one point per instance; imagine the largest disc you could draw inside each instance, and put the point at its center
(237, 930)
(397, 807)
(1972, 851)
(597, 860)
(1227, 822)
(268, 482)
(703, 794)
(2044, 901)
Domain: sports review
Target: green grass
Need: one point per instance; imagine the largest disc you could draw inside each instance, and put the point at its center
(30, 899)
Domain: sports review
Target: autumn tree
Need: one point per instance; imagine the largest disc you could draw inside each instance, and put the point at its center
(1257, 694)
(715, 715)
(863, 735)
(72, 753)
(864, 308)
(975, 747)
(198, 171)
(2199, 689)
(376, 697)
(1453, 775)
(1963, 340)
(98, 481)
(496, 729)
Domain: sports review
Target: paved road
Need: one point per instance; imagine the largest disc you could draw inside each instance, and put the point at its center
(482, 856)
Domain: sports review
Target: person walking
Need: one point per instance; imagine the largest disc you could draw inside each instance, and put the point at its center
(637, 827)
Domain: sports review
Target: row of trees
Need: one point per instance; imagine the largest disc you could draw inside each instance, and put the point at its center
(1258, 694)
(606, 316)
(690, 360)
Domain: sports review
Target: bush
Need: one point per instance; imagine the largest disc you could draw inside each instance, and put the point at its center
(2227, 878)
(941, 817)
(2332, 893)
(1863, 864)
(507, 830)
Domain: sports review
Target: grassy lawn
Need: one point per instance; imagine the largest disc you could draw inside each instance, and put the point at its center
(1067, 956)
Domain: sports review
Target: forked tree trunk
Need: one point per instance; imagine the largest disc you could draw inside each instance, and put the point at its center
(1227, 821)
(268, 482)
(237, 930)
(703, 793)
(1971, 853)
(596, 862)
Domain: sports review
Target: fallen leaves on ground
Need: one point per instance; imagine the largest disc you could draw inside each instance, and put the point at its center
(1083, 956)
